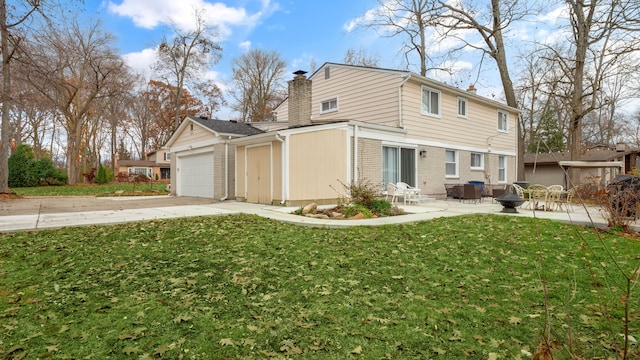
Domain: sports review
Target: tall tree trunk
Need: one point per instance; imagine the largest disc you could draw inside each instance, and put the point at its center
(500, 56)
(6, 99)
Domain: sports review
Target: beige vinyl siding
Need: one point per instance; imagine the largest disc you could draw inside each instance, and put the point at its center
(195, 136)
(477, 130)
(241, 158)
(317, 165)
(282, 112)
(362, 94)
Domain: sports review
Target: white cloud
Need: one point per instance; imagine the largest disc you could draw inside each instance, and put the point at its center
(245, 45)
(149, 14)
(140, 62)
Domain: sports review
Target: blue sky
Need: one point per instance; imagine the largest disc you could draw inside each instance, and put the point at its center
(300, 30)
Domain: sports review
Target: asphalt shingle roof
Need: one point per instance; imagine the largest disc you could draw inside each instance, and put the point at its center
(227, 127)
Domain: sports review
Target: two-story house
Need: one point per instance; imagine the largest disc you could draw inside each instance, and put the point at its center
(156, 166)
(349, 123)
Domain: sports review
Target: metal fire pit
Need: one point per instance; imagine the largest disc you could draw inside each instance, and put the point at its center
(509, 202)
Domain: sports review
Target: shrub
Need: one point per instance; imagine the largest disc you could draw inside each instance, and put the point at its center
(49, 175)
(353, 210)
(362, 193)
(26, 171)
(381, 207)
(23, 170)
(101, 177)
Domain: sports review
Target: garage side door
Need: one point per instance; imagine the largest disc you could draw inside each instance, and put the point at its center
(196, 175)
(259, 175)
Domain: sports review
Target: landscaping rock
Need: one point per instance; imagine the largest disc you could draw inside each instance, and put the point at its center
(318, 216)
(311, 208)
(357, 216)
(119, 192)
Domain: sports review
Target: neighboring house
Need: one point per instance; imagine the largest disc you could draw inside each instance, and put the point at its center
(350, 123)
(202, 161)
(599, 165)
(155, 167)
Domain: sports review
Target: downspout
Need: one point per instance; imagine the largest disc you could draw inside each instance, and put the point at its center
(283, 166)
(226, 170)
(355, 153)
(400, 122)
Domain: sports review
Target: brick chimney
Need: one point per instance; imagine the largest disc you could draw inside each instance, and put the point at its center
(299, 100)
(472, 89)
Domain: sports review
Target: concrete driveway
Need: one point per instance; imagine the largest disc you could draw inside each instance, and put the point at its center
(54, 205)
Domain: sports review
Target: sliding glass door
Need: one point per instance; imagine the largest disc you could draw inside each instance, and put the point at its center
(398, 164)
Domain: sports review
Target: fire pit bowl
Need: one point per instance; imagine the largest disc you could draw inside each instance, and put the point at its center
(509, 202)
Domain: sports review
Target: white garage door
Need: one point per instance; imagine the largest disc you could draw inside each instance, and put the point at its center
(196, 175)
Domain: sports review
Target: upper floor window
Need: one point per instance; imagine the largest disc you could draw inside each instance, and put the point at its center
(167, 156)
(503, 121)
(329, 105)
(462, 107)
(430, 101)
(477, 161)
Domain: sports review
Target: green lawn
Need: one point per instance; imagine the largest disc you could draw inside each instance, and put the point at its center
(241, 286)
(93, 189)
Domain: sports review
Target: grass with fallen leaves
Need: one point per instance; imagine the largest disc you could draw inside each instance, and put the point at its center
(94, 189)
(246, 287)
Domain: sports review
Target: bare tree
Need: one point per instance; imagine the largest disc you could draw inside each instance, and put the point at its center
(452, 20)
(181, 58)
(12, 16)
(602, 36)
(258, 84)
(211, 96)
(360, 57)
(408, 19)
(74, 68)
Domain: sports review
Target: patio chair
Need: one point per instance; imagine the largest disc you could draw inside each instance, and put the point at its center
(565, 199)
(555, 194)
(392, 190)
(538, 197)
(471, 192)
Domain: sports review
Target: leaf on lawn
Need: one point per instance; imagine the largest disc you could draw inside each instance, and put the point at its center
(160, 350)
(249, 342)
(289, 348)
(493, 356)
(52, 348)
(182, 318)
(227, 342)
(397, 277)
(439, 351)
(357, 350)
(514, 320)
(128, 350)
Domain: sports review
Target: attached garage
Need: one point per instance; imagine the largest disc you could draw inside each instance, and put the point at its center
(202, 158)
(195, 175)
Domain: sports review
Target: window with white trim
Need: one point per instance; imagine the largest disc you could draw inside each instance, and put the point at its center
(167, 156)
(477, 161)
(462, 107)
(503, 121)
(329, 105)
(430, 104)
(502, 169)
(451, 163)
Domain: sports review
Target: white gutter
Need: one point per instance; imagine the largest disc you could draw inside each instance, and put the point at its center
(226, 170)
(284, 179)
(400, 100)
